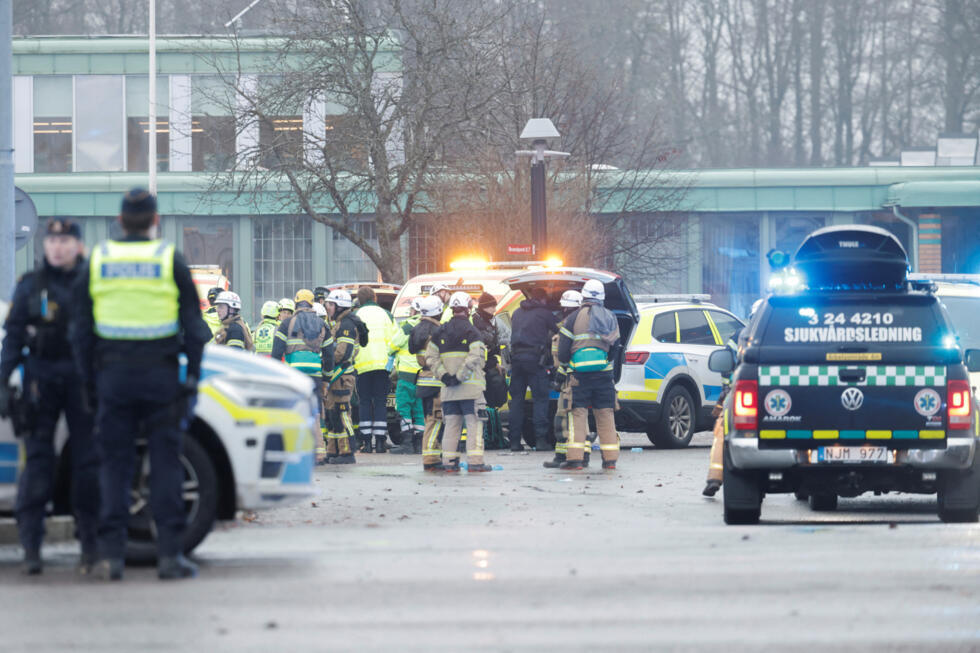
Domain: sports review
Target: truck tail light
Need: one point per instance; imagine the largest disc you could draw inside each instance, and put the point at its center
(958, 403)
(636, 357)
(746, 405)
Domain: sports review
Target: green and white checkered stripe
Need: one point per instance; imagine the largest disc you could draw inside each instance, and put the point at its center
(827, 375)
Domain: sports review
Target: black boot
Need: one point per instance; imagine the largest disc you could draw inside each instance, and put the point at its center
(175, 568)
(109, 569)
(554, 464)
(609, 464)
(711, 488)
(433, 467)
(585, 458)
(479, 468)
(417, 443)
(87, 561)
(380, 443)
(32, 562)
(541, 444)
(515, 442)
(407, 445)
(571, 464)
(342, 459)
(365, 441)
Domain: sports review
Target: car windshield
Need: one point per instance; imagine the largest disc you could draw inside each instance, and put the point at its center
(963, 312)
(472, 285)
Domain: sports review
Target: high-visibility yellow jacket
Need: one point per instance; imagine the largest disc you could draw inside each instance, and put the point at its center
(264, 335)
(381, 329)
(134, 295)
(407, 363)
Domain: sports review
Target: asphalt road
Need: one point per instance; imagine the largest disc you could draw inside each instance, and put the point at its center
(388, 558)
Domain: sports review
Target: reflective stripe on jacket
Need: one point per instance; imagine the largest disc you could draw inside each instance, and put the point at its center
(134, 295)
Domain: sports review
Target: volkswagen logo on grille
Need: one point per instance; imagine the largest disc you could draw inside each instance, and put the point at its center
(852, 398)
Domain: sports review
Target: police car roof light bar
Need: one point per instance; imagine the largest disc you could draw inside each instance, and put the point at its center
(694, 298)
(946, 278)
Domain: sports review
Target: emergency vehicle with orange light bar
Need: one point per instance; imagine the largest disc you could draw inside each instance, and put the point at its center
(853, 382)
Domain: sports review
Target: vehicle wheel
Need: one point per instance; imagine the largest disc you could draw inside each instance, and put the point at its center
(741, 493)
(677, 419)
(200, 503)
(800, 495)
(959, 494)
(823, 502)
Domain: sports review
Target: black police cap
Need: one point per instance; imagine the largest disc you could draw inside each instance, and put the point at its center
(139, 201)
(63, 227)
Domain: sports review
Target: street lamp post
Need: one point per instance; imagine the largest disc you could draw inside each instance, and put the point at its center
(538, 131)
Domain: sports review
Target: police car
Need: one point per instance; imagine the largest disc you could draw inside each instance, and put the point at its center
(666, 389)
(853, 384)
(250, 447)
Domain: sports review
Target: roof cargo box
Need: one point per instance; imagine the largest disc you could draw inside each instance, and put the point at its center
(852, 257)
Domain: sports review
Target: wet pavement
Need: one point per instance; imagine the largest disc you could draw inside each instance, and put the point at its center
(524, 558)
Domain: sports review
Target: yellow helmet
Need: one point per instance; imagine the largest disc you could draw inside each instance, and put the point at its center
(304, 295)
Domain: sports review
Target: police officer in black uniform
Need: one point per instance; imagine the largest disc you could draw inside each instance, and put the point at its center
(137, 310)
(37, 337)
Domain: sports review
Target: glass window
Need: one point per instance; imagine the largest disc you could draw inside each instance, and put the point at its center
(730, 259)
(52, 123)
(726, 325)
(283, 253)
(99, 123)
(138, 123)
(694, 329)
(281, 141)
(665, 328)
(350, 263)
(212, 124)
(792, 229)
(211, 242)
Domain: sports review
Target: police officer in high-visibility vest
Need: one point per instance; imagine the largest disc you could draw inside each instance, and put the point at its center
(36, 338)
(427, 386)
(265, 333)
(211, 312)
(136, 310)
(373, 379)
(348, 334)
(407, 403)
(588, 343)
(234, 332)
(305, 344)
(562, 382)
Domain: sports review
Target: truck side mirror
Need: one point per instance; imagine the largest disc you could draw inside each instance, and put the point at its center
(723, 361)
(973, 360)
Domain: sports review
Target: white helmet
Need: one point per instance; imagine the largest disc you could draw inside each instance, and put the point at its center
(594, 290)
(340, 297)
(571, 299)
(430, 306)
(437, 288)
(416, 304)
(319, 309)
(233, 301)
(459, 299)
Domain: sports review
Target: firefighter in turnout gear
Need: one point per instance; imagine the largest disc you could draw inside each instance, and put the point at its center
(305, 343)
(456, 356)
(562, 382)
(348, 334)
(286, 308)
(211, 312)
(409, 406)
(265, 333)
(233, 332)
(427, 386)
(588, 343)
(36, 337)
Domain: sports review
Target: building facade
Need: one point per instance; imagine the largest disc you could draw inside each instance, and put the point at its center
(81, 140)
